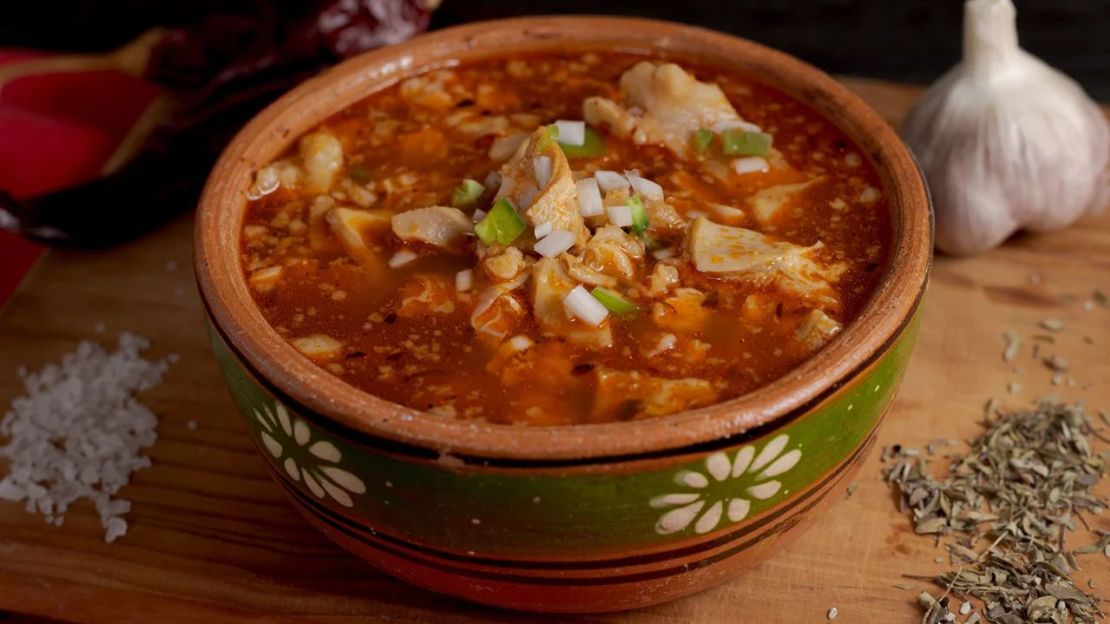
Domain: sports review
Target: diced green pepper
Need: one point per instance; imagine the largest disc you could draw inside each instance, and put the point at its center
(738, 142)
(639, 214)
(359, 174)
(613, 301)
(593, 146)
(550, 136)
(501, 225)
(467, 193)
(701, 140)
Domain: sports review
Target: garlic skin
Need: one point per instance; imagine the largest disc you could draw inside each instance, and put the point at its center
(1006, 142)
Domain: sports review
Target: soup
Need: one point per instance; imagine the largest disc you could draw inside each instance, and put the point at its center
(565, 238)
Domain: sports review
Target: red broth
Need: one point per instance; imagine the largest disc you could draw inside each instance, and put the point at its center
(405, 333)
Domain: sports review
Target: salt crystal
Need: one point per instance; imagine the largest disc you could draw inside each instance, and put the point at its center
(115, 527)
(117, 507)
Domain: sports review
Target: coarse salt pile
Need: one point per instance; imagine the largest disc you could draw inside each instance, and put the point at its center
(78, 432)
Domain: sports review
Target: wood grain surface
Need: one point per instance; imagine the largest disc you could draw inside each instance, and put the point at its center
(212, 539)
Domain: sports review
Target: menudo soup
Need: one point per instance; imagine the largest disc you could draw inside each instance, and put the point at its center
(561, 239)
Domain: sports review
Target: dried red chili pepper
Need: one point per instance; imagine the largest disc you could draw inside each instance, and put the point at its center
(217, 73)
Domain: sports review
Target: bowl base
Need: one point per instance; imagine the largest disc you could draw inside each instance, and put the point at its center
(573, 591)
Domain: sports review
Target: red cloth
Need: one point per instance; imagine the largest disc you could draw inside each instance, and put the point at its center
(57, 130)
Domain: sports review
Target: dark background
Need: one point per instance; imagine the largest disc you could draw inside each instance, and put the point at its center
(907, 40)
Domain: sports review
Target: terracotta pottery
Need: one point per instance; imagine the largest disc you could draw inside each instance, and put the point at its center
(574, 518)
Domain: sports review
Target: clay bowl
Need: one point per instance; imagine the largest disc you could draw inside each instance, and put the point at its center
(575, 518)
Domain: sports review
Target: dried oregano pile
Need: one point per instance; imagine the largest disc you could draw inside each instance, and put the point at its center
(1003, 513)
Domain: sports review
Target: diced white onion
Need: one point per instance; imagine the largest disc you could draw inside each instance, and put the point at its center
(402, 257)
(620, 216)
(541, 165)
(478, 215)
(526, 194)
(543, 229)
(506, 187)
(580, 304)
(727, 212)
(589, 198)
(735, 124)
(485, 300)
(491, 294)
(266, 181)
(554, 243)
(519, 343)
(663, 254)
(750, 164)
(493, 180)
(571, 132)
(643, 186)
(610, 181)
(666, 343)
(464, 280)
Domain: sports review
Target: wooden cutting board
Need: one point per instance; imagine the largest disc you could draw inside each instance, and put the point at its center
(212, 539)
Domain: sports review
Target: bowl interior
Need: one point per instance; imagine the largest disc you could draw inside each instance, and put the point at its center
(304, 386)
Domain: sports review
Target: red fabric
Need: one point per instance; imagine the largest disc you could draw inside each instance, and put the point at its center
(57, 130)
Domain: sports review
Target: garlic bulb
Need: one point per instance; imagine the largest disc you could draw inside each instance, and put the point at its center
(1006, 142)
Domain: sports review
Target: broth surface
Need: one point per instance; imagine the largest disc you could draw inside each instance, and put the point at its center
(338, 275)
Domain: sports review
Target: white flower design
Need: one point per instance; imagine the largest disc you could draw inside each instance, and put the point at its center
(289, 436)
(747, 474)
